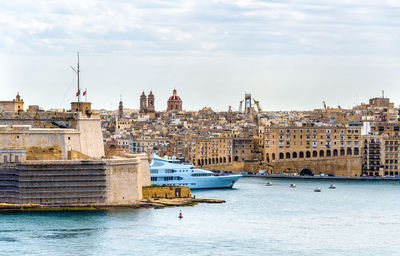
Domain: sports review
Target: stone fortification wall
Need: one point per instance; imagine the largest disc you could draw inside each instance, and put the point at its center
(103, 182)
(167, 192)
(341, 166)
(74, 131)
(55, 183)
(242, 166)
(40, 139)
(39, 119)
(91, 136)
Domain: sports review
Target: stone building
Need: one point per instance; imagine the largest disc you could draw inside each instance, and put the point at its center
(147, 106)
(243, 148)
(312, 149)
(174, 102)
(212, 151)
(381, 150)
(16, 105)
(373, 155)
(47, 135)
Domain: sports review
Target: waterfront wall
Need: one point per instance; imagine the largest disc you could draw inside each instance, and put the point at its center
(94, 182)
(345, 166)
(167, 192)
(243, 166)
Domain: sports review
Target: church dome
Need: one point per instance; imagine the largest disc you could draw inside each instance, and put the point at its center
(174, 97)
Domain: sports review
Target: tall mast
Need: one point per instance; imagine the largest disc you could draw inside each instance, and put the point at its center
(79, 89)
(77, 71)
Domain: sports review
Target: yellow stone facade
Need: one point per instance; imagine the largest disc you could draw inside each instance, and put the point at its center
(320, 148)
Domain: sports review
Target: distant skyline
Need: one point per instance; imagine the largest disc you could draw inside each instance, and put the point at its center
(288, 54)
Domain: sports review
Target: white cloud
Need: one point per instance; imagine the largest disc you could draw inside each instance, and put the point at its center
(177, 26)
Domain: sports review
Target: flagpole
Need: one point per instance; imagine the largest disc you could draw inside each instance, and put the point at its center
(79, 90)
(85, 94)
(77, 71)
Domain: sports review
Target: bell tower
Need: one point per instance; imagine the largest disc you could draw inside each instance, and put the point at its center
(150, 102)
(143, 103)
(121, 109)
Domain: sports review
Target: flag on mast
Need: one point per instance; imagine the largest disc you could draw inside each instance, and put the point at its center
(84, 93)
(78, 93)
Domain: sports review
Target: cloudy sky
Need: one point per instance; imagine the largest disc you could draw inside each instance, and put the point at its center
(288, 54)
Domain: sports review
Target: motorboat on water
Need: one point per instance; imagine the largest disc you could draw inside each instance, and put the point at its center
(332, 186)
(317, 190)
(268, 184)
(293, 185)
(164, 171)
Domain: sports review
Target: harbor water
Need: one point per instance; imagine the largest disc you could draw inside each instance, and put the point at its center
(356, 218)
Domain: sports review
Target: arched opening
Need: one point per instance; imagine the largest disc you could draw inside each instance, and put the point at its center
(273, 156)
(287, 155)
(280, 155)
(294, 155)
(386, 173)
(213, 161)
(308, 154)
(342, 152)
(376, 173)
(335, 152)
(267, 157)
(349, 152)
(356, 151)
(396, 173)
(198, 162)
(224, 160)
(229, 159)
(314, 153)
(202, 161)
(321, 153)
(306, 172)
(391, 173)
(216, 160)
(236, 158)
(209, 161)
(301, 154)
(220, 160)
(328, 153)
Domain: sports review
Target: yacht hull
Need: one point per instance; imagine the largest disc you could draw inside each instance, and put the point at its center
(226, 181)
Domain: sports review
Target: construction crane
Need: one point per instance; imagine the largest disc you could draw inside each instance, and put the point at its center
(258, 105)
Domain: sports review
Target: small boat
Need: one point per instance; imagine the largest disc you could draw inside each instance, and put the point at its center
(180, 216)
(332, 186)
(268, 184)
(293, 185)
(317, 190)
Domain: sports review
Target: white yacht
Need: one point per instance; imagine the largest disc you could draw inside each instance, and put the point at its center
(169, 172)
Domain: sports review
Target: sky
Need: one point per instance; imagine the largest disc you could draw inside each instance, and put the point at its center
(288, 54)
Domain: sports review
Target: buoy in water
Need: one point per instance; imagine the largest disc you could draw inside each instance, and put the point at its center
(180, 216)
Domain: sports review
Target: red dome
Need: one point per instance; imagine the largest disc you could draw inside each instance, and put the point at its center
(174, 98)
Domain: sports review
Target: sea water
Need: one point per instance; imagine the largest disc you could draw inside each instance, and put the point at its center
(356, 218)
